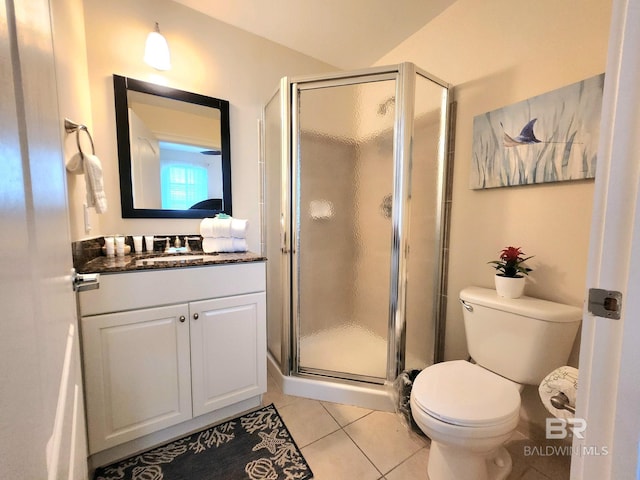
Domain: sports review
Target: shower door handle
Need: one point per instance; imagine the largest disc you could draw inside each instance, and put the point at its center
(284, 248)
(283, 235)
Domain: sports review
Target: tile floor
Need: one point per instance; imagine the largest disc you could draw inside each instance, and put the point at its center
(343, 442)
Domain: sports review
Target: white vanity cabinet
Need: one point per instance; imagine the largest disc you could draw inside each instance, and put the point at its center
(225, 358)
(164, 347)
(137, 373)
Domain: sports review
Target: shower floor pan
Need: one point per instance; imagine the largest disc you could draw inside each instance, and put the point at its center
(353, 350)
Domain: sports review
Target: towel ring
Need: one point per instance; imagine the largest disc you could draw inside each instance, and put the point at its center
(71, 127)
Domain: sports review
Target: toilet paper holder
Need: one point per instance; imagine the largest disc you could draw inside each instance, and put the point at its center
(561, 402)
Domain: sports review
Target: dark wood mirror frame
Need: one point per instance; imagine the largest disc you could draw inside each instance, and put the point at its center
(120, 86)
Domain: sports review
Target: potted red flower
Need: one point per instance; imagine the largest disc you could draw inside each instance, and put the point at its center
(510, 278)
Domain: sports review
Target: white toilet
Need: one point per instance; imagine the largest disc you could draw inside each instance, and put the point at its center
(470, 410)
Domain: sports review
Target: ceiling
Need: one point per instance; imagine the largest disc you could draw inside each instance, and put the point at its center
(347, 34)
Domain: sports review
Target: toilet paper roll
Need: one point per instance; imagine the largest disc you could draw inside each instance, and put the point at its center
(565, 380)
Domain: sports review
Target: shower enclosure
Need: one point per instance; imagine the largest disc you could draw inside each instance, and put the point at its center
(354, 213)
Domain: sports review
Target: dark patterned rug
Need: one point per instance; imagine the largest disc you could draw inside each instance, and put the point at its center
(255, 446)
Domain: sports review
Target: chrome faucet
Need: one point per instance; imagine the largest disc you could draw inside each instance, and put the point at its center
(167, 244)
(177, 244)
(186, 242)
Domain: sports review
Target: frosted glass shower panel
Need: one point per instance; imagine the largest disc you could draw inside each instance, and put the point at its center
(345, 170)
(425, 246)
(273, 188)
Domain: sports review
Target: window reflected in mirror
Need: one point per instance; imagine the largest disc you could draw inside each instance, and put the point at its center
(186, 179)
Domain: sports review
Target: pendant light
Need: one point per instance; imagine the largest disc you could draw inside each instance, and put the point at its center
(156, 52)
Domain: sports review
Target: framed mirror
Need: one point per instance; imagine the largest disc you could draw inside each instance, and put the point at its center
(173, 151)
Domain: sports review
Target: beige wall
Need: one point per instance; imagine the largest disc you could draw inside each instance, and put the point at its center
(507, 52)
(208, 57)
(74, 101)
(496, 53)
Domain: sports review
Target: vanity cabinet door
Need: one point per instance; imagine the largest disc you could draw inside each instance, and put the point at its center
(228, 351)
(137, 373)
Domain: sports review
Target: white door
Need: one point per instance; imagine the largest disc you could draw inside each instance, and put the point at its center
(228, 351)
(137, 373)
(609, 385)
(41, 406)
(145, 171)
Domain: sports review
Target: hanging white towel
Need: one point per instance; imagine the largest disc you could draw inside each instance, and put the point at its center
(74, 165)
(92, 168)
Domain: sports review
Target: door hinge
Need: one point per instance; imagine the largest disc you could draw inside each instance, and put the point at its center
(605, 303)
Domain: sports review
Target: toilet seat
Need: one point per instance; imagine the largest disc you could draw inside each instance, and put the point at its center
(463, 394)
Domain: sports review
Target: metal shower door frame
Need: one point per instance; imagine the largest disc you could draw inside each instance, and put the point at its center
(400, 213)
(402, 163)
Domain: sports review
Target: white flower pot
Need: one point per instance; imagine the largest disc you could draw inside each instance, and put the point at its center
(509, 287)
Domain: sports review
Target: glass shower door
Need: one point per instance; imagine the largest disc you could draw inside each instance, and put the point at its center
(343, 133)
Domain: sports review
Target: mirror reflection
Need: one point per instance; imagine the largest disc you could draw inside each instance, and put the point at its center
(173, 148)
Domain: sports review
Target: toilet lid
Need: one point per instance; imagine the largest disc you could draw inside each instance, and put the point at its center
(465, 394)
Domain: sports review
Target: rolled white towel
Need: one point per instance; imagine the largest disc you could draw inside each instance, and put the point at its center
(239, 227)
(206, 227)
(221, 227)
(223, 244)
(215, 227)
(239, 244)
(561, 380)
(215, 244)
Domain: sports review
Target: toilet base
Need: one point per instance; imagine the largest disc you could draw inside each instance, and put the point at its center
(451, 463)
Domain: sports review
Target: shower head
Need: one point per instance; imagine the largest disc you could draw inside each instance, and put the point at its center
(384, 106)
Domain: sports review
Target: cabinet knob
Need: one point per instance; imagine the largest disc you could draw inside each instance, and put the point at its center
(195, 316)
(182, 318)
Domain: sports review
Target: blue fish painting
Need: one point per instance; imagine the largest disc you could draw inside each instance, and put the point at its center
(526, 136)
(563, 146)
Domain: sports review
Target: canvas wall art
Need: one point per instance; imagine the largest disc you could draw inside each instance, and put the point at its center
(552, 137)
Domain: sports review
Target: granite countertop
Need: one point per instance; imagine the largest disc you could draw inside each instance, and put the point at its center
(140, 261)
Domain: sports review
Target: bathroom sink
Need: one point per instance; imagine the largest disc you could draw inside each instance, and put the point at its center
(171, 259)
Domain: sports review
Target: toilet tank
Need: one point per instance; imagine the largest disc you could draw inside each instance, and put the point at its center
(521, 339)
